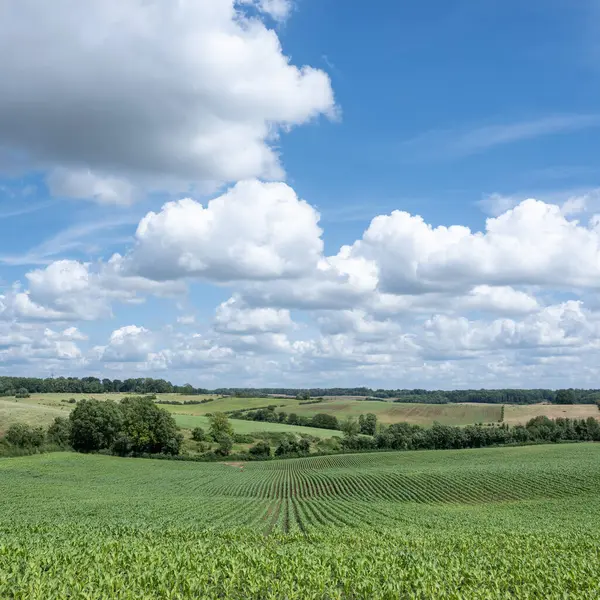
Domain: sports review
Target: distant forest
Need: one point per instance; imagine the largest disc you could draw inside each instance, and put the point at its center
(10, 386)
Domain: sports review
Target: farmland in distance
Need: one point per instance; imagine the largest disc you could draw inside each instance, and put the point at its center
(41, 409)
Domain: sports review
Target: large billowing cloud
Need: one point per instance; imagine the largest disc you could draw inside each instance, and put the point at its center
(254, 231)
(167, 93)
(531, 244)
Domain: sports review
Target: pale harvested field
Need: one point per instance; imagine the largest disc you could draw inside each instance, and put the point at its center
(520, 414)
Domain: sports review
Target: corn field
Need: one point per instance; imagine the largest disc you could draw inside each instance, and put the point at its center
(493, 523)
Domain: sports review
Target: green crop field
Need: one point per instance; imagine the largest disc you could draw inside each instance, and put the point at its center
(469, 524)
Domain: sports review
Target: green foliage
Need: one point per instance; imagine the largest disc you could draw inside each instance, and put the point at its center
(565, 397)
(22, 393)
(25, 436)
(95, 425)
(136, 425)
(220, 426)
(59, 432)
(350, 427)
(147, 385)
(293, 447)
(149, 428)
(368, 424)
(325, 421)
(198, 434)
(225, 442)
(260, 449)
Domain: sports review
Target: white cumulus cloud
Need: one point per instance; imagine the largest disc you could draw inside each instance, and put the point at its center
(255, 230)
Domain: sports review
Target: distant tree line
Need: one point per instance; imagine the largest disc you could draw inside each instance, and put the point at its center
(500, 396)
(93, 385)
(11, 386)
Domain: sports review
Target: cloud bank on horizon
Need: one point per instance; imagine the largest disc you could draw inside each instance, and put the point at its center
(180, 247)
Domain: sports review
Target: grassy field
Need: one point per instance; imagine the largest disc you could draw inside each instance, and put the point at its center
(12, 411)
(239, 426)
(475, 524)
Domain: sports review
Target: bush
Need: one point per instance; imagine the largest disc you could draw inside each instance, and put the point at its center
(325, 421)
(225, 445)
(59, 432)
(241, 438)
(22, 393)
(25, 436)
(260, 449)
(198, 434)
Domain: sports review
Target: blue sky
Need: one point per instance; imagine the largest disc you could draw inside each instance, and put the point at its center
(403, 196)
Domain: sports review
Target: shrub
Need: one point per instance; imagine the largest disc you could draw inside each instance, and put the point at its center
(59, 432)
(198, 434)
(325, 421)
(260, 449)
(225, 445)
(22, 393)
(25, 436)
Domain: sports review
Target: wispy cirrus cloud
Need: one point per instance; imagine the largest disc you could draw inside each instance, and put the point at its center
(80, 237)
(447, 144)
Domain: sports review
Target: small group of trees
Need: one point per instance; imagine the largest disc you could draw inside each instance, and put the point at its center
(136, 425)
(220, 431)
(366, 425)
